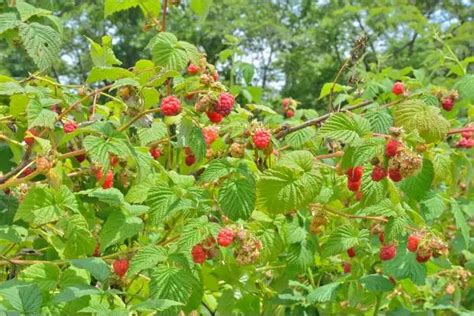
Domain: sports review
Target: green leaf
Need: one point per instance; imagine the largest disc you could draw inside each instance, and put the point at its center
(299, 138)
(237, 197)
(8, 21)
(323, 294)
(191, 136)
(103, 56)
(113, 6)
(161, 199)
(110, 196)
(380, 121)
(79, 240)
(119, 227)
(169, 53)
(461, 222)
(147, 258)
(465, 87)
(416, 186)
(97, 267)
(45, 275)
(27, 10)
(301, 255)
(376, 283)
(42, 43)
(367, 150)
(74, 292)
(156, 132)
(201, 7)
(155, 305)
(13, 233)
(24, 298)
(404, 265)
(40, 116)
(326, 90)
(108, 73)
(345, 237)
(432, 206)
(11, 88)
(125, 82)
(99, 149)
(215, 170)
(345, 128)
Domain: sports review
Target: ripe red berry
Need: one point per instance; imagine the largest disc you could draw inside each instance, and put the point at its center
(114, 160)
(354, 186)
(347, 267)
(261, 138)
(198, 254)
(382, 237)
(388, 252)
(391, 149)
(27, 172)
(290, 113)
(210, 134)
(120, 267)
(190, 160)
(447, 103)
(398, 88)
(466, 134)
(30, 139)
(351, 252)
(70, 127)
(170, 106)
(395, 175)
(109, 180)
(193, 69)
(285, 103)
(225, 237)
(214, 117)
(155, 153)
(412, 243)
(225, 104)
(465, 143)
(81, 157)
(378, 173)
(423, 257)
(355, 174)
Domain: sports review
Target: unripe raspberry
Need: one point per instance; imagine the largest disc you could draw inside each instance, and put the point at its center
(447, 103)
(70, 127)
(388, 252)
(114, 160)
(355, 174)
(120, 267)
(109, 180)
(190, 160)
(450, 289)
(214, 117)
(225, 237)
(193, 69)
(124, 92)
(215, 75)
(354, 186)
(391, 149)
(30, 139)
(170, 106)
(412, 243)
(210, 134)
(188, 151)
(155, 153)
(290, 113)
(351, 252)
(286, 103)
(43, 164)
(237, 150)
(81, 157)
(198, 254)
(381, 237)
(96, 252)
(398, 88)
(347, 267)
(395, 175)
(423, 256)
(378, 173)
(225, 104)
(467, 134)
(261, 138)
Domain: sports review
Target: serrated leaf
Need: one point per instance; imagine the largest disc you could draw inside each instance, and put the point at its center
(301, 255)
(345, 237)
(380, 121)
(97, 267)
(74, 292)
(11, 88)
(41, 42)
(367, 150)
(442, 168)
(416, 186)
(215, 170)
(110, 196)
(376, 283)
(345, 128)
(103, 56)
(26, 10)
(79, 240)
(432, 206)
(404, 265)
(237, 197)
(22, 297)
(372, 191)
(8, 21)
(99, 149)
(465, 87)
(156, 305)
(108, 73)
(155, 132)
(323, 294)
(40, 116)
(201, 7)
(119, 227)
(335, 87)
(146, 258)
(461, 223)
(113, 6)
(161, 198)
(125, 82)
(166, 53)
(13, 233)
(299, 138)
(45, 275)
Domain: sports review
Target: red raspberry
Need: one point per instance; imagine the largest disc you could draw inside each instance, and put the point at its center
(193, 69)
(155, 153)
(190, 160)
(347, 267)
(210, 134)
(423, 257)
(290, 113)
(69, 127)
(355, 174)
(96, 252)
(170, 106)
(99, 174)
(378, 173)
(261, 138)
(225, 104)
(214, 117)
(354, 186)
(412, 243)
(225, 237)
(198, 254)
(391, 149)
(114, 160)
(395, 175)
(465, 143)
(398, 88)
(120, 267)
(467, 134)
(382, 237)
(351, 252)
(81, 157)
(447, 103)
(27, 172)
(109, 180)
(30, 139)
(215, 75)
(358, 196)
(388, 252)
(286, 103)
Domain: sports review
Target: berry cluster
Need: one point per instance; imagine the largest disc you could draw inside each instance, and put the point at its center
(466, 141)
(425, 246)
(210, 134)
(170, 106)
(216, 110)
(289, 107)
(108, 181)
(208, 249)
(189, 158)
(70, 127)
(446, 98)
(261, 138)
(354, 178)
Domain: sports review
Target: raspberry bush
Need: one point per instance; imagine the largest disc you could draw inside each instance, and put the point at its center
(158, 188)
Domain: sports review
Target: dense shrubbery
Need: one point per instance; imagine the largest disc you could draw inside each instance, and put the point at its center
(157, 188)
